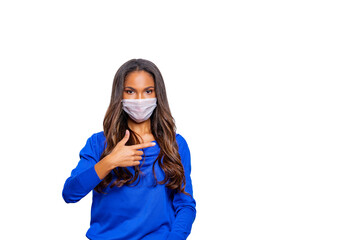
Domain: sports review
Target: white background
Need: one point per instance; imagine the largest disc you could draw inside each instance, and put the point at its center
(266, 93)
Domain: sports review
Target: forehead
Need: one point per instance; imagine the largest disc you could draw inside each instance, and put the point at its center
(138, 79)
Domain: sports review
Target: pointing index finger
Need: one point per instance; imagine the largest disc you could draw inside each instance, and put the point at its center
(144, 145)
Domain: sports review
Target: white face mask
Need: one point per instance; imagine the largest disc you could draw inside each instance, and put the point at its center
(139, 109)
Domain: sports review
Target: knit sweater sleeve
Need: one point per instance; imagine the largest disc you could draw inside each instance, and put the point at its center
(184, 205)
(83, 177)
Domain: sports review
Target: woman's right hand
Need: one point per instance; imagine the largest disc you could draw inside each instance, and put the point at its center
(126, 156)
(121, 156)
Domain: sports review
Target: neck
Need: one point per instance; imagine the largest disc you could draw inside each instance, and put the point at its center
(142, 128)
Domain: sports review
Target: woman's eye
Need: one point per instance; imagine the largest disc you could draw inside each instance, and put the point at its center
(127, 91)
(149, 91)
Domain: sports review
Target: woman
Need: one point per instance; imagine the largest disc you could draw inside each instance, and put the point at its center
(138, 167)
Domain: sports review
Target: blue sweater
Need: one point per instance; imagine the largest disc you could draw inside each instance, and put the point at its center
(142, 212)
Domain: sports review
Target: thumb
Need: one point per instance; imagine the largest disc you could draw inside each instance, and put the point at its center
(125, 138)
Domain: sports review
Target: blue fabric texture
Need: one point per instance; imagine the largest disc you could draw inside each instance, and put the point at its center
(144, 211)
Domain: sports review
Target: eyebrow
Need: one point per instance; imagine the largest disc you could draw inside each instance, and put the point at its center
(135, 89)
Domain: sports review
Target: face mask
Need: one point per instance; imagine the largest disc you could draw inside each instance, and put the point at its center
(139, 109)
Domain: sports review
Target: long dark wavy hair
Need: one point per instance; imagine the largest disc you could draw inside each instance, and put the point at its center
(162, 126)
